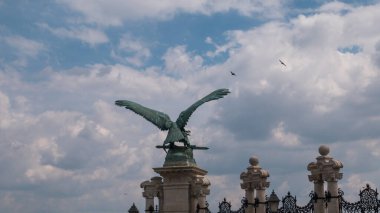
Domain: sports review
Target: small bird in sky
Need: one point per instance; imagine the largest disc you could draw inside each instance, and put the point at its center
(282, 62)
(232, 73)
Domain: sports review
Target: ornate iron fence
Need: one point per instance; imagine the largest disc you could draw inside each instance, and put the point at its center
(225, 207)
(368, 202)
(289, 204)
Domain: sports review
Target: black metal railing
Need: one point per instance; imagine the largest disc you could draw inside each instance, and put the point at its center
(225, 207)
(289, 204)
(368, 203)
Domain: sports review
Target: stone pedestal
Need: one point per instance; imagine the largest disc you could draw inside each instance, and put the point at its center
(182, 185)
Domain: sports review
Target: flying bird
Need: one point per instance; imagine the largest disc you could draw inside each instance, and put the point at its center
(282, 62)
(177, 132)
(232, 73)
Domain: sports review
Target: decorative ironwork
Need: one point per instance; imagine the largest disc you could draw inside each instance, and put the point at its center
(225, 207)
(289, 204)
(368, 201)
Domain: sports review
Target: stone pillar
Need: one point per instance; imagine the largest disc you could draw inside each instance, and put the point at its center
(254, 182)
(249, 195)
(316, 178)
(200, 189)
(326, 169)
(319, 192)
(149, 200)
(333, 205)
(152, 189)
(260, 194)
(178, 188)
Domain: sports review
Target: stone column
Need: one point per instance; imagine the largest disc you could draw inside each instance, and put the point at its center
(319, 205)
(202, 195)
(255, 180)
(202, 203)
(319, 194)
(200, 189)
(326, 169)
(152, 189)
(149, 201)
(333, 205)
(260, 194)
(249, 195)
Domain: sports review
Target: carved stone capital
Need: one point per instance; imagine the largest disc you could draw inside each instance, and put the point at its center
(200, 186)
(325, 168)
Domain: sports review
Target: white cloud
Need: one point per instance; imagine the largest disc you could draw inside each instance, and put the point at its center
(4, 110)
(178, 62)
(25, 46)
(46, 172)
(219, 48)
(47, 148)
(315, 69)
(115, 12)
(131, 51)
(283, 138)
(85, 34)
(335, 7)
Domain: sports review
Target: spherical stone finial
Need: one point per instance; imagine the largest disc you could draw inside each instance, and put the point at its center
(324, 150)
(254, 161)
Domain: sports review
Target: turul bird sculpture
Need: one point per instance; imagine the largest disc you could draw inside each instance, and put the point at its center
(177, 132)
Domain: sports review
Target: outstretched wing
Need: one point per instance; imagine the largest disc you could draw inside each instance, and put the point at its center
(185, 115)
(157, 118)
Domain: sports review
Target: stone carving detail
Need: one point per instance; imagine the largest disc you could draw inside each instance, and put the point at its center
(326, 168)
(152, 189)
(200, 187)
(255, 177)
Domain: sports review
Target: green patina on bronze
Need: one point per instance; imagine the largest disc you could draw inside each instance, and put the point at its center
(180, 156)
(176, 130)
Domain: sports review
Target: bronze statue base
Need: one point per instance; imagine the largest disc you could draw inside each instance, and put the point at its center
(179, 156)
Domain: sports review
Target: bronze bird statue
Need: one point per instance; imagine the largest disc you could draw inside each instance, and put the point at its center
(177, 132)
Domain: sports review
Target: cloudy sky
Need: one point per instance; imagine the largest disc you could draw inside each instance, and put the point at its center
(65, 146)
